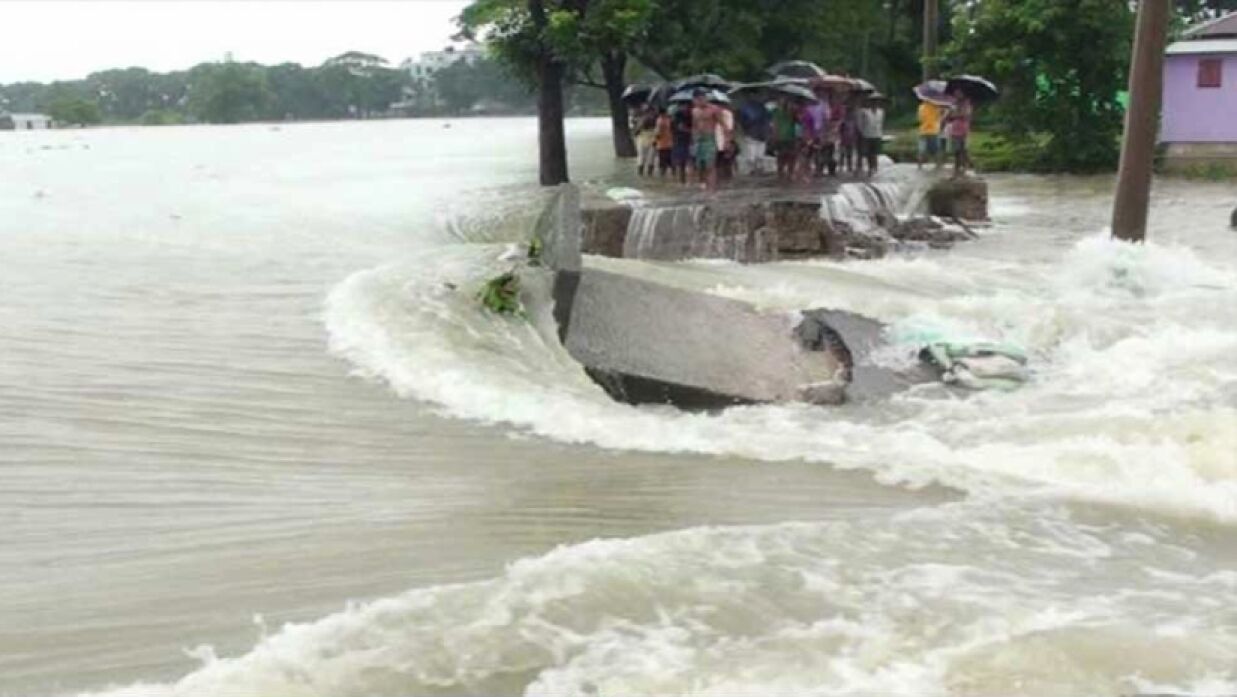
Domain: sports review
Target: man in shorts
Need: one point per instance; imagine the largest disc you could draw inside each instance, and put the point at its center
(705, 119)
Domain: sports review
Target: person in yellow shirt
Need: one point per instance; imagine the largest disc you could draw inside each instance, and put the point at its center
(930, 116)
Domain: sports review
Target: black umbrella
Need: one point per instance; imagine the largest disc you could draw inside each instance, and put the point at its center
(704, 80)
(976, 88)
(798, 92)
(803, 69)
(862, 85)
(660, 96)
(763, 91)
(688, 96)
(637, 94)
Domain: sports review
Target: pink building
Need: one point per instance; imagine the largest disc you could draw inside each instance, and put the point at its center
(1200, 96)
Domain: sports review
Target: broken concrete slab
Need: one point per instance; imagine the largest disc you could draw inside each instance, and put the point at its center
(964, 198)
(645, 342)
(848, 219)
(648, 342)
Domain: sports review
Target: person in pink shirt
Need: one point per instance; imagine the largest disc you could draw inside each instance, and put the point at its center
(958, 124)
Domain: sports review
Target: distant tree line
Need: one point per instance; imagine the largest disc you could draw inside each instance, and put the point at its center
(350, 86)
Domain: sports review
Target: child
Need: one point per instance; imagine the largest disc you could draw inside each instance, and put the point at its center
(680, 154)
(646, 149)
(664, 140)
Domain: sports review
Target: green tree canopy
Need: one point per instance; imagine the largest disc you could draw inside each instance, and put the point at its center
(74, 111)
(1060, 64)
(228, 93)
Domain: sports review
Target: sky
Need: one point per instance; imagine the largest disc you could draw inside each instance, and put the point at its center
(44, 40)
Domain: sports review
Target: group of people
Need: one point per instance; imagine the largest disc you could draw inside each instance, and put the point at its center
(699, 138)
(840, 132)
(708, 141)
(945, 127)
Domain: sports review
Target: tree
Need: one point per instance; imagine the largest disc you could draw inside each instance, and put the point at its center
(74, 111)
(228, 93)
(1061, 65)
(527, 36)
(604, 35)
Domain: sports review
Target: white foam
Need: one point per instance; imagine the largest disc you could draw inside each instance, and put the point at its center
(1127, 406)
(960, 599)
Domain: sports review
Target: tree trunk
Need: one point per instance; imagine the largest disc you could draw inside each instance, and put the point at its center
(551, 138)
(614, 68)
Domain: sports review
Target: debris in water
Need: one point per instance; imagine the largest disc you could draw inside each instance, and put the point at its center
(978, 366)
(501, 294)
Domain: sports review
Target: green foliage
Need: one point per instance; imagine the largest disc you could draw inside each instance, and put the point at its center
(501, 295)
(463, 86)
(228, 93)
(74, 111)
(1211, 171)
(576, 33)
(161, 117)
(351, 85)
(1060, 64)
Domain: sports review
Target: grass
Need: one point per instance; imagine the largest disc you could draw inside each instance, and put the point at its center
(990, 152)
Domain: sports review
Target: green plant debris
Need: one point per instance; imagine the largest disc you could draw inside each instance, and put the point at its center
(501, 295)
(535, 248)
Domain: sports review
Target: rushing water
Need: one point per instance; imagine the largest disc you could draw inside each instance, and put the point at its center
(252, 444)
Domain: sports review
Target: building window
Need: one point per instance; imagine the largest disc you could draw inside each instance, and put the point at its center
(1210, 72)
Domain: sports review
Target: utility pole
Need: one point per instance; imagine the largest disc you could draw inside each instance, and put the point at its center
(1129, 211)
(931, 25)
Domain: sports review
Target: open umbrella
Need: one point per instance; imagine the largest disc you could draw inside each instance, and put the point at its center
(797, 92)
(833, 83)
(861, 85)
(689, 95)
(660, 96)
(637, 94)
(935, 92)
(765, 91)
(797, 69)
(976, 88)
(705, 80)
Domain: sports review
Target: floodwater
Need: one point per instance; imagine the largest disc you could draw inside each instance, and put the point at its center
(251, 444)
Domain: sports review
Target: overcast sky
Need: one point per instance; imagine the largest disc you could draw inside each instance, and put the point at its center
(67, 39)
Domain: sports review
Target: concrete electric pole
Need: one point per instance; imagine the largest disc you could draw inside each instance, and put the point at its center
(1129, 211)
(931, 25)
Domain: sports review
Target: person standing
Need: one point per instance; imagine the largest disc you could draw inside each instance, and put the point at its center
(819, 119)
(663, 138)
(850, 134)
(871, 121)
(727, 144)
(835, 122)
(809, 140)
(782, 139)
(930, 116)
(680, 154)
(646, 150)
(754, 123)
(959, 126)
(705, 119)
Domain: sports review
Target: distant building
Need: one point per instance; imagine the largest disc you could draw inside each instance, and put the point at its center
(423, 95)
(1200, 96)
(431, 62)
(25, 122)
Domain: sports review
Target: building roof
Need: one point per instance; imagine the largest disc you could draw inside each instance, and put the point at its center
(1182, 48)
(1225, 26)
